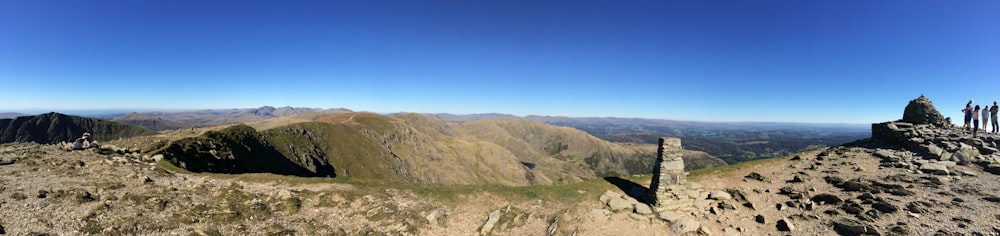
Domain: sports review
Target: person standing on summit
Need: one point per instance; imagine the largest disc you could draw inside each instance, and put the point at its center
(968, 115)
(986, 117)
(993, 116)
(975, 121)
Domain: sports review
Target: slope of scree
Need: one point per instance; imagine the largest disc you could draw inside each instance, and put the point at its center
(417, 148)
(50, 128)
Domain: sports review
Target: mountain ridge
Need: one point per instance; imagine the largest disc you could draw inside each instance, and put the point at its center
(417, 148)
(53, 127)
(11, 115)
(158, 120)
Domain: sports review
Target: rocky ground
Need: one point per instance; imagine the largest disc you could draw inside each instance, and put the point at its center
(852, 191)
(45, 189)
(868, 187)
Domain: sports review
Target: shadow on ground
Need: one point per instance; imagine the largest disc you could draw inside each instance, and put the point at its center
(632, 189)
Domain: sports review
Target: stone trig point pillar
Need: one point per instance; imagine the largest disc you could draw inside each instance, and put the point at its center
(669, 179)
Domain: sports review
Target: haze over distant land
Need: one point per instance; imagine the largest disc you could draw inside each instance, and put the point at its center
(781, 61)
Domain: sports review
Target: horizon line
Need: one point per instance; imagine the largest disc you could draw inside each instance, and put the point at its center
(122, 111)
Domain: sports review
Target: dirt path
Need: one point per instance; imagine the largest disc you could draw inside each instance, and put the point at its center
(349, 118)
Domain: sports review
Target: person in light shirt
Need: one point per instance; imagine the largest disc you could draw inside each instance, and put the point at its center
(986, 116)
(975, 121)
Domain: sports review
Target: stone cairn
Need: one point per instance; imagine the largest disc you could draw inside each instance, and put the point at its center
(671, 197)
(921, 111)
(668, 188)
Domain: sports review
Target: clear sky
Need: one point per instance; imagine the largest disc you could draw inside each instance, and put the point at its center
(796, 60)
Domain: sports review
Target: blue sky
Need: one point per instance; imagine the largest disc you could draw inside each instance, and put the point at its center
(798, 61)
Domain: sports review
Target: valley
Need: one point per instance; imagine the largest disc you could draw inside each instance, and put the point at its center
(733, 142)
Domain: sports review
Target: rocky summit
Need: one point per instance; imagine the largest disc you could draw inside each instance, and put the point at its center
(921, 178)
(937, 144)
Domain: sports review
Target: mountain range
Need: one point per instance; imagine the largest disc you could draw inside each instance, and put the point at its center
(54, 128)
(417, 148)
(733, 142)
(11, 115)
(399, 147)
(157, 120)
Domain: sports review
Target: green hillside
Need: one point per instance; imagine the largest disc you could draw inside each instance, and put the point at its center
(316, 144)
(417, 148)
(236, 149)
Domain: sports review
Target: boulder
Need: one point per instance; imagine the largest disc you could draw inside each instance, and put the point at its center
(702, 203)
(945, 156)
(885, 207)
(965, 154)
(992, 168)
(985, 150)
(619, 204)
(491, 220)
(992, 199)
(608, 195)
(552, 227)
(755, 176)
(785, 225)
(934, 168)
(854, 227)
(891, 132)
(948, 164)
(719, 195)
(433, 216)
(642, 208)
(799, 179)
(669, 216)
(885, 154)
(827, 198)
(685, 225)
(854, 186)
(934, 150)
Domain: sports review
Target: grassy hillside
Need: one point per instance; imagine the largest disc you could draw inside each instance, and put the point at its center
(417, 148)
(233, 150)
(347, 150)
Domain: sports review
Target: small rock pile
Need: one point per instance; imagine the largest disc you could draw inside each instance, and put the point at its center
(681, 219)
